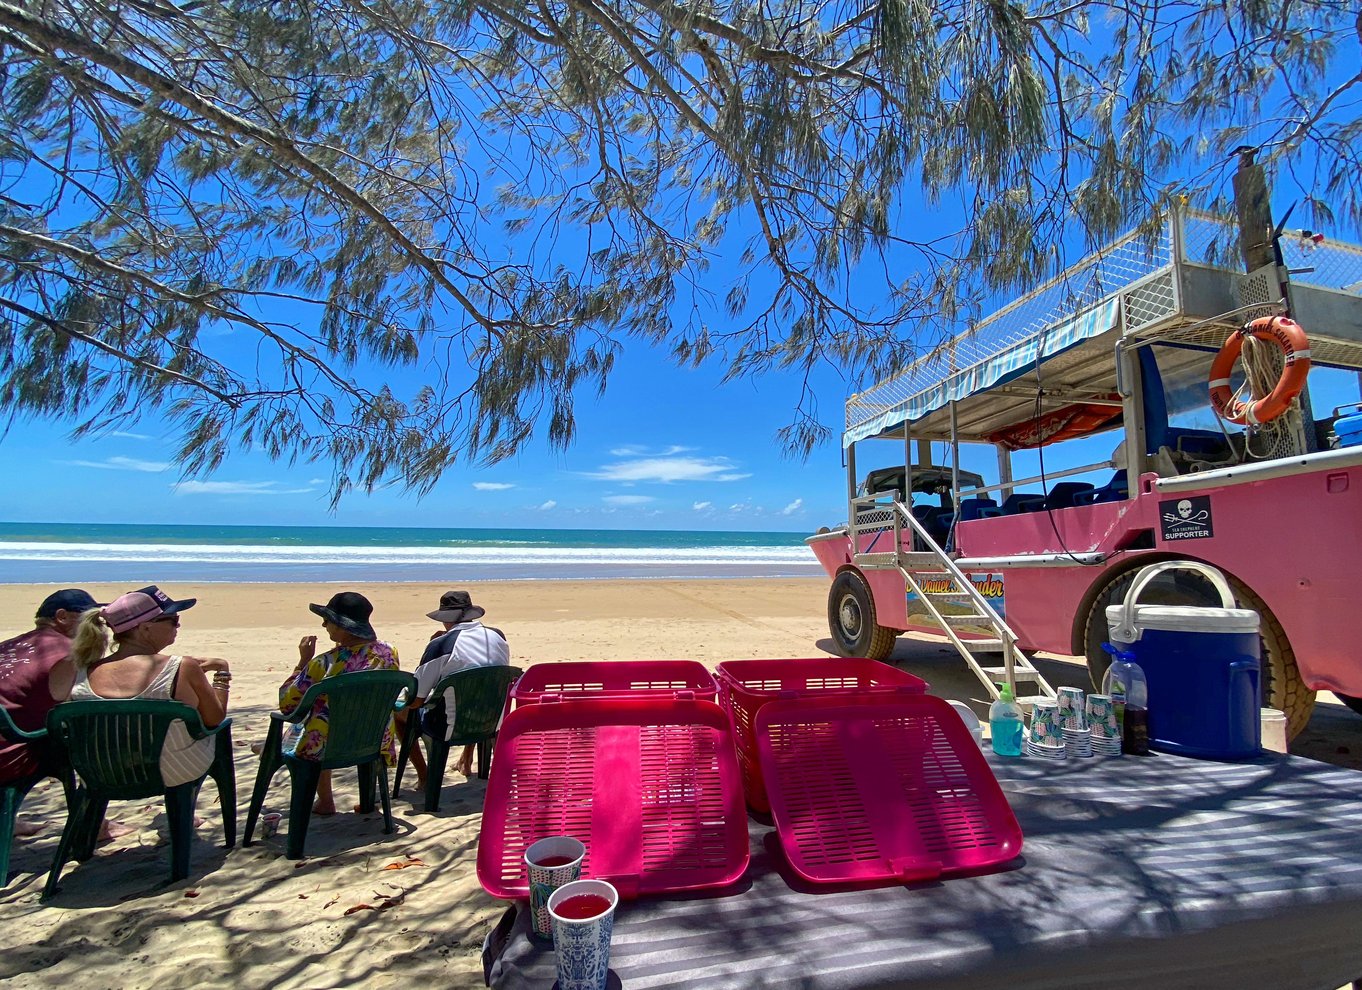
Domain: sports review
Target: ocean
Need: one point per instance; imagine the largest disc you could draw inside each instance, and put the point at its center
(71, 553)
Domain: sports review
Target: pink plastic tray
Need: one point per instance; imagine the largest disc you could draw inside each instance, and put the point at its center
(883, 791)
(650, 785)
(607, 678)
(746, 685)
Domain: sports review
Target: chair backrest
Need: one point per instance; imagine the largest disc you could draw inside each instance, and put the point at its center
(1062, 495)
(1014, 502)
(360, 707)
(479, 697)
(970, 507)
(115, 746)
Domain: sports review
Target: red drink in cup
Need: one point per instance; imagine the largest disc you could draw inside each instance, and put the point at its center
(580, 907)
(548, 862)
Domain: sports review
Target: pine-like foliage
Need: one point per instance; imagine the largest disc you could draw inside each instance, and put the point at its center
(236, 217)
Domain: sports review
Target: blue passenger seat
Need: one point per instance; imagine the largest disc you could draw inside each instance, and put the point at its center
(1114, 490)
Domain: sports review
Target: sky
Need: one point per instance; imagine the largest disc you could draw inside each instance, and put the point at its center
(665, 448)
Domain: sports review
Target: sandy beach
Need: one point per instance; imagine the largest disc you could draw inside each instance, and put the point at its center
(250, 918)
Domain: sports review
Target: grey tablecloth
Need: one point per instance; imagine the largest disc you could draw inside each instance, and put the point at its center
(1154, 873)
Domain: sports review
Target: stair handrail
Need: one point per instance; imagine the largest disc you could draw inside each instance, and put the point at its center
(901, 513)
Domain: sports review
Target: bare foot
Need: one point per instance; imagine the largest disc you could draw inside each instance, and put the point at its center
(110, 830)
(22, 830)
(464, 767)
(329, 808)
(257, 748)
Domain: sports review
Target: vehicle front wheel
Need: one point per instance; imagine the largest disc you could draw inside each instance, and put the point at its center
(1282, 685)
(851, 619)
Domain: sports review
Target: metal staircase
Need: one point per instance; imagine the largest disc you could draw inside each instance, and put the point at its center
(993, 659)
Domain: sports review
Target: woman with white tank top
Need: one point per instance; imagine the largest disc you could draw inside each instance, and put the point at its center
(139, 626)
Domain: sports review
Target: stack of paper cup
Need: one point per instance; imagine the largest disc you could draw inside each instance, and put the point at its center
(1045, 738)
(1103, 730)
(1073, 722)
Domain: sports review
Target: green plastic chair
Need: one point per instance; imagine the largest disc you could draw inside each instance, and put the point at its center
(51, 763)
(114, 747)
(360, 703)
(479, 697)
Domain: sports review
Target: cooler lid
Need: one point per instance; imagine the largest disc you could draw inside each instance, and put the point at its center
(1184, 618)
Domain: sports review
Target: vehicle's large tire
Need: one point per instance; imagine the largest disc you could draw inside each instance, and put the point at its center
(1354, 703)
(851, 619)
(1281, 681)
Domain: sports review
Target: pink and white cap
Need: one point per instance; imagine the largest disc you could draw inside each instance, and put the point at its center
(136, 607)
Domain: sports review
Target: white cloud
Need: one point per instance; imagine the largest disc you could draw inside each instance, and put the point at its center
(627, 499)
(675, 449)
(122, 435)
(316, 481)
(491, 486)
(792, 508)
(737, 507)
(702, 506)
(550, 504)
(669, 469)
(235, 488)
(122, 464)
(629, 450)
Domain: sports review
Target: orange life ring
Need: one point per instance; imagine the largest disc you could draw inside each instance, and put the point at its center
(1288, 335)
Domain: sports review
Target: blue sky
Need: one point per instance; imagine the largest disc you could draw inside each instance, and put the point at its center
(665, 448)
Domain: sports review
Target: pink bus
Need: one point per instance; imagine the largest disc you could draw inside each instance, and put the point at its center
(1097, 383)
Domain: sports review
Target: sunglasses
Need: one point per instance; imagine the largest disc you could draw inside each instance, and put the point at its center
(174, 620)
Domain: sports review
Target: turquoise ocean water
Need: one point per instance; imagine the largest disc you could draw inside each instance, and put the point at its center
(72, 553)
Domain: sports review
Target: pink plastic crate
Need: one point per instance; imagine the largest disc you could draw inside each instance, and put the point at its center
(649, 784)
(746, 685)
(607, 678)
(894, 790)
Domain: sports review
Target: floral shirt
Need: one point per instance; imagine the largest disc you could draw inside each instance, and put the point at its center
(341, 660)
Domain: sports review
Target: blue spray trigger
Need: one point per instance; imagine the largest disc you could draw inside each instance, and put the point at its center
(1123, 655)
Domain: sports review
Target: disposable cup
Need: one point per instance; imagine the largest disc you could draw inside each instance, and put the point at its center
(582, 945)
(1071, 711)
(269, 824)
(1102, 717)
(1045, 724)
(550, 863)
(1274, 730)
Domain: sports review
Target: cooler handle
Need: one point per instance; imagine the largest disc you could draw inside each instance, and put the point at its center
(1126, 631)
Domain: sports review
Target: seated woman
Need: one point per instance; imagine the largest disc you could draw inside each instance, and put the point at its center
(346, 621)
(139, 626)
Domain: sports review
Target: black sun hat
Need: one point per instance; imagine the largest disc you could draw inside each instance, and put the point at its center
(457, 606)
(350, 610)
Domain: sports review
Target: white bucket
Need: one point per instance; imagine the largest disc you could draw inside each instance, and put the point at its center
(970, 719)
(1274, 730)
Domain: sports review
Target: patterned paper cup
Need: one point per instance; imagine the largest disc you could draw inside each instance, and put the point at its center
(583, 915)
(1071, 712)
(1045, 724)
(1102, 717)
(550, 863)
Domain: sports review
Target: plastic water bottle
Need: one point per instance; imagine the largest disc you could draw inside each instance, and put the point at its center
(1005, 724)
(1129, 690)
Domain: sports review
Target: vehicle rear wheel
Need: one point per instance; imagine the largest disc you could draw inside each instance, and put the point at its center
(851, 619)
(1282, 686)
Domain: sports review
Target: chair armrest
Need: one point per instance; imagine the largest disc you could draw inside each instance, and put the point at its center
(12, 733)
(198, 730)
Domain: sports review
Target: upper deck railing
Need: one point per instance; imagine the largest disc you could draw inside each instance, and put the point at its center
(1132, 278)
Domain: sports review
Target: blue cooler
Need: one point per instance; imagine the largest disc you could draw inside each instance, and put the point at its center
(1201, 665)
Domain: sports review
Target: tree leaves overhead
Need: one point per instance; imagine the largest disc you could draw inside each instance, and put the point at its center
(239, 217)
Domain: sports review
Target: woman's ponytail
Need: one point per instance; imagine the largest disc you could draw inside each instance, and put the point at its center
(93, 638)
